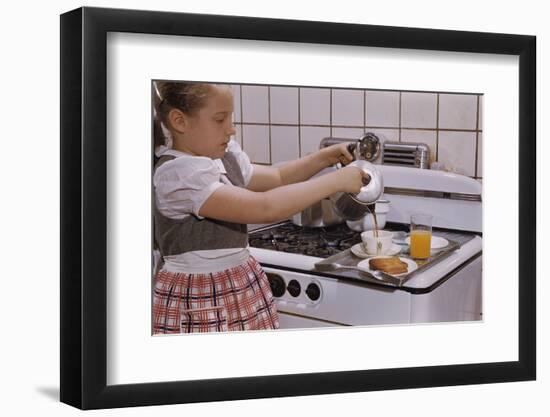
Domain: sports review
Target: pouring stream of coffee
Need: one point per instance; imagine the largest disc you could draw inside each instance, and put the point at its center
(373, 214)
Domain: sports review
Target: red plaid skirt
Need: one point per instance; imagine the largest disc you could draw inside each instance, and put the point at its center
(238, 298)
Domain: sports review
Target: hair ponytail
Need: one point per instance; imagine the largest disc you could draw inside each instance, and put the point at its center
(158, 134)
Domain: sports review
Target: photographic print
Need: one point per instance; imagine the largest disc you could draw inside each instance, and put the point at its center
(321, 193)
(298, 207)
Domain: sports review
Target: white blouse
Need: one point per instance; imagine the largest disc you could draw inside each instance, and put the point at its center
(182, 185)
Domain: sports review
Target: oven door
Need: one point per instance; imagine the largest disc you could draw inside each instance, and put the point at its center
(292, 321)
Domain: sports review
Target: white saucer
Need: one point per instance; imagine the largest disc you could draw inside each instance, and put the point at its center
(411, 265)
(437, 242)
(358, 250)
(399, 237)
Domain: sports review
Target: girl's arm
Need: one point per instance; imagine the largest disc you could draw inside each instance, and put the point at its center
(240, 205)
(266, 178)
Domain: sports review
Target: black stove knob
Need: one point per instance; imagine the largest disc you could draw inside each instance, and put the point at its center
(294, 288)
(313, 291)
(277, 284)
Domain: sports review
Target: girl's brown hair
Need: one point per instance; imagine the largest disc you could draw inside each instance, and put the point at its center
(168, 95)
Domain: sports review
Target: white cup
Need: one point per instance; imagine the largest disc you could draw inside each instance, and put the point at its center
(377, 245)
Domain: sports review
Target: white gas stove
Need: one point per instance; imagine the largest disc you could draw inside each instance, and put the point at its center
(441, 291)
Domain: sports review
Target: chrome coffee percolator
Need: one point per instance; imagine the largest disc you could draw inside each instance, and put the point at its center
(354, 206)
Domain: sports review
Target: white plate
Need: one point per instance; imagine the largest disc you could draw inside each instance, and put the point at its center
(437, 242)
(411, 265)
(358, 250)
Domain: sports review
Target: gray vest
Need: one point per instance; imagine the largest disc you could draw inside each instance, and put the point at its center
(191, 233)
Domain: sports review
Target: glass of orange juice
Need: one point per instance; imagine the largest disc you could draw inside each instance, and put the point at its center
(421, 235)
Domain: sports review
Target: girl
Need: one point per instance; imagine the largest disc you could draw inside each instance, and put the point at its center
(206, 191)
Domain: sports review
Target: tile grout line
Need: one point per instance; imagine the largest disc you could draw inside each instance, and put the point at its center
(400, 115)
(240, 121)
(330, 112)
(437, 129)
(477, 137)
(299, 125)
(364, 111)
(269, 123)
(242, 118)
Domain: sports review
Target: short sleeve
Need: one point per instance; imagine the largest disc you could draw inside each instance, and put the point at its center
(242, 159)
(182, 185)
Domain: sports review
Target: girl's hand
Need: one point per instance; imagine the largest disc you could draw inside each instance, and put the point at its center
(352, 179)
(337, 153)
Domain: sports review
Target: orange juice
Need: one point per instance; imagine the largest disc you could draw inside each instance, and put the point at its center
(421, 241)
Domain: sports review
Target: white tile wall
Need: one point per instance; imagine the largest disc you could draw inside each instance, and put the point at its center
(293, 120)
(429, 137)
(255, 105)
(479, 172)
(256, 143)
(310, 137)
(457, 111)
(239, 135)
(284, 105)
(236, 90)
(480, 118)
(348, 107)
(285, 143)
(315, 106)
(419, 110)
(382, 108)
(347, 132)
(457, 150)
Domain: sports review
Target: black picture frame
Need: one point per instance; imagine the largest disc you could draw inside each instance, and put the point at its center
(83, 153)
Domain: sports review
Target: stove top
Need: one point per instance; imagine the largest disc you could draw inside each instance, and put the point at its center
(320, 242)
(286, 248)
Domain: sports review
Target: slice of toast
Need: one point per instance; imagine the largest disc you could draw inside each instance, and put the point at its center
(392, 265)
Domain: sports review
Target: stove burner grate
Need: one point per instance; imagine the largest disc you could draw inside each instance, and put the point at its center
(320, 242)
